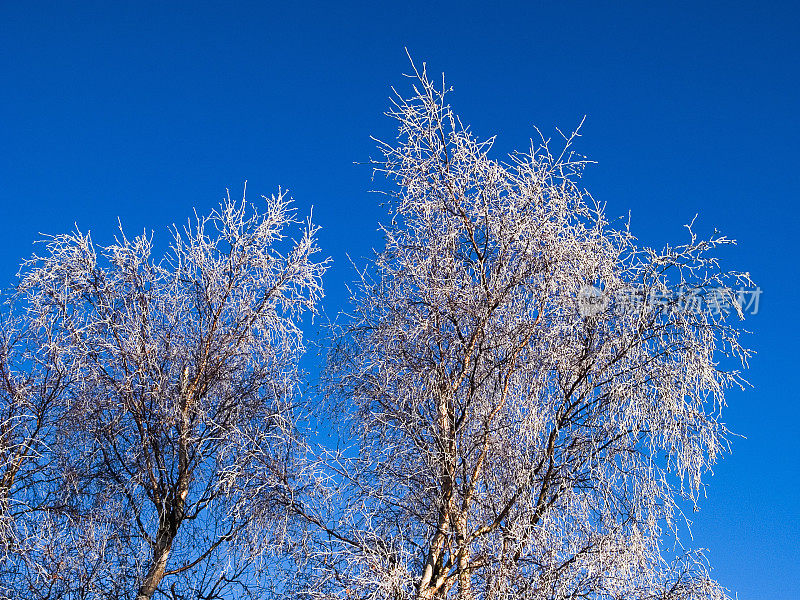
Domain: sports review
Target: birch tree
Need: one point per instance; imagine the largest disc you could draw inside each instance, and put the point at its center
(32, 409)
(175, 372)
(509, 443)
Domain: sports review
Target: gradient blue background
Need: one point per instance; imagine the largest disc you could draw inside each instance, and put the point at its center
(145, 110)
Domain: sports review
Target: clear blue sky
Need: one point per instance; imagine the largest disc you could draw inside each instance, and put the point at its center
(144, 110)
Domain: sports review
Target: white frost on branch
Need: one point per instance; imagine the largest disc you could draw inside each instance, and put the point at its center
(506, 446)
(174, 372)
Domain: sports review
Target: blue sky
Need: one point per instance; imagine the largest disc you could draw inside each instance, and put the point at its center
(145, 110)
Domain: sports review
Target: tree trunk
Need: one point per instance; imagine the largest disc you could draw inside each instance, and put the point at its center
(463, 557)
(159, 564)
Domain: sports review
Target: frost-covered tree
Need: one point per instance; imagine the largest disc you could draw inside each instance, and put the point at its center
(171, 375)
(32, 410)
(514, 436)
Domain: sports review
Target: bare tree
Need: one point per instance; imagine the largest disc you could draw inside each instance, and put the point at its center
(530, 391)
(173, 373)
(32, 409)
